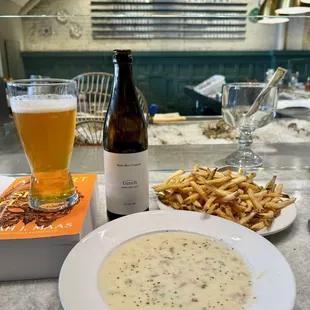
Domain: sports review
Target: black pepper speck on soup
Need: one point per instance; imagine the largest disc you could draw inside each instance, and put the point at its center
(173, 270)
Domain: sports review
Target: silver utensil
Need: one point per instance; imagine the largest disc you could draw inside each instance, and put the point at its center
(275, 79)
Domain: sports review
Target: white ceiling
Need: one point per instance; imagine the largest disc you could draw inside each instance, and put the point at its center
(24, 5)
(20, 2)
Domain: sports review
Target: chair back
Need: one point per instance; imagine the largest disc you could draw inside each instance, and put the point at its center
(94, 92)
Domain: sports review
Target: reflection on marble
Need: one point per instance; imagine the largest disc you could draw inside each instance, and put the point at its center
(163, 157)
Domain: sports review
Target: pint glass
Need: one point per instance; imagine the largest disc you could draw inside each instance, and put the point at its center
(45, 114)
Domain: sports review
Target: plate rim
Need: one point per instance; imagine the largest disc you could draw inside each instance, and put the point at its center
(64, 279)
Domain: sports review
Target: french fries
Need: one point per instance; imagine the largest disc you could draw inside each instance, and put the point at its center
(232, 196)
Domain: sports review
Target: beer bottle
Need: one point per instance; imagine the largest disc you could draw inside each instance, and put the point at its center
(125, 142)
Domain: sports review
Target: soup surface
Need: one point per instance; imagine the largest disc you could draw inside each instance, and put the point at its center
(173, 270)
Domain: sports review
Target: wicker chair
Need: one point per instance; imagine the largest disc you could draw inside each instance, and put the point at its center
(94, 90)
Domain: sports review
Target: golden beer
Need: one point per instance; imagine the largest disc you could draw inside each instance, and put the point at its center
(47, 129)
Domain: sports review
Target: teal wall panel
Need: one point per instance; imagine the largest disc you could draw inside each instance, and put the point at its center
(162, 75)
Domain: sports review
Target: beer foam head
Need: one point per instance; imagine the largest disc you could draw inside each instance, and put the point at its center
(43, 103)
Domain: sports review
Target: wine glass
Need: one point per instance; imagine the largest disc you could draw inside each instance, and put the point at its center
(237, 99)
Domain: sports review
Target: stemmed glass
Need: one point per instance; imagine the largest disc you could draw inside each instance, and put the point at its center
(237, 99)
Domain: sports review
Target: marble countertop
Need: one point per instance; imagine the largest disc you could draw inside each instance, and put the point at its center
(294, 243)
(162, 157)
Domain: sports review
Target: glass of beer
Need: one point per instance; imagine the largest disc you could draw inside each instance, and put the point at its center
(45, 114)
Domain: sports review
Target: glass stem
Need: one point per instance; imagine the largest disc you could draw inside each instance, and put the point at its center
(245, 140)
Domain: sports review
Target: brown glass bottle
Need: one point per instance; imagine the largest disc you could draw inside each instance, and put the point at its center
(125, 143)
(307, 85)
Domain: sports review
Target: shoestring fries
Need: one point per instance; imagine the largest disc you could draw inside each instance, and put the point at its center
(233, 196)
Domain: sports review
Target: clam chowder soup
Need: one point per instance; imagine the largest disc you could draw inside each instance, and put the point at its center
(173, 270)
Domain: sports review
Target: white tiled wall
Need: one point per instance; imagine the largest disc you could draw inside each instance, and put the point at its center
(306, 38)
(258, 37)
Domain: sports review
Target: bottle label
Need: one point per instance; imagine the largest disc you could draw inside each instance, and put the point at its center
(126, 182)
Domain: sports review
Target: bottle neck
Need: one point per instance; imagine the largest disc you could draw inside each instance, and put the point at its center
(123, 75)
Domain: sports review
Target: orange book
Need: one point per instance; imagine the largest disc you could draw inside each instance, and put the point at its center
(42, 239)
(19, 221)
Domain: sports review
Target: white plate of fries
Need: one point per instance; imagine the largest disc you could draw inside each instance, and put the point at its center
(232, 196)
